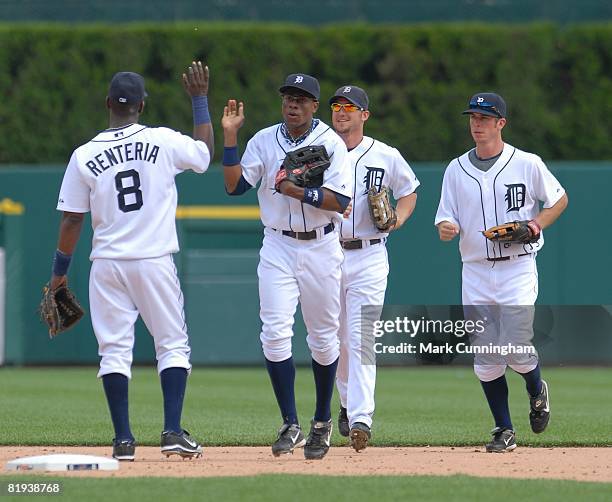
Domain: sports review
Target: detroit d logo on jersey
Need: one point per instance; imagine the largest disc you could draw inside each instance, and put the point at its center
(515, 196)
(373, 178)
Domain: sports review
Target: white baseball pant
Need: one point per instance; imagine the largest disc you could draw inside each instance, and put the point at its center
(364, 282)
(304, 271)
(119, 290)
(513, 286)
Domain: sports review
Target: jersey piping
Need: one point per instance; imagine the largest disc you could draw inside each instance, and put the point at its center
(501, 254)
(355, 180)
(118, 139)
(484, 219)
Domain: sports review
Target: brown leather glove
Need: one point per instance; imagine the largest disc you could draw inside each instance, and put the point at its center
(382, 211)
(59, 309)
(514, 231)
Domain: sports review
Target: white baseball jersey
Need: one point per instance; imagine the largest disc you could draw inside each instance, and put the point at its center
(510, 190)
(125, 177)
(262, 159)
(374, 164)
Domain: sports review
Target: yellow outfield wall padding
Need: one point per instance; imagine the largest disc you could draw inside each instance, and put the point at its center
(218, 212)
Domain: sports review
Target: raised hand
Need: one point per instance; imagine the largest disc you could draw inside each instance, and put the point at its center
(233, 116)
(195, 81)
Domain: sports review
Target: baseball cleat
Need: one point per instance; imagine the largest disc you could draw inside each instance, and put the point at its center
(175, 443)
(343, 422)
(289, 438)
(503, 440)
(539, 415)
(319, 439)
(360, 435)
(124, 449)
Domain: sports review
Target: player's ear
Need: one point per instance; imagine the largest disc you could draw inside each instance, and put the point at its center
(315, 106)
(141, 107)
(365, 115)
(108, 102)
(501, 123)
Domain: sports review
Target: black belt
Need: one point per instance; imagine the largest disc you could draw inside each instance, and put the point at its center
(504, 258)
(307, 236)
(358, 244)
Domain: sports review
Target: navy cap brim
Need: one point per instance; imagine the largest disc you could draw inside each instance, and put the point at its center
(286, 88)
(482, 111)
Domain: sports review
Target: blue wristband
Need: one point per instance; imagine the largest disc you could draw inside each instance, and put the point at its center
(313, 196)
(230, 156)
(200, 110)
(61, 262)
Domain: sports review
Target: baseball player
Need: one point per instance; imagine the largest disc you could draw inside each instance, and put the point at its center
(301, 256)
(492, 184)
(125, 177)
(366, 266)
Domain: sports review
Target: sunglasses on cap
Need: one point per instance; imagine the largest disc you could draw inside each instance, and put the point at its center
(484, 105)
(348, 107)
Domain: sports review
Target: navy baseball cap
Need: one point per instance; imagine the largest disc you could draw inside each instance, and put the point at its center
(301, 82)
(487, 103)
(354, 94)
(127, 87)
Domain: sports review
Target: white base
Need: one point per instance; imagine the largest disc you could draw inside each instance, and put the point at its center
(64, 462)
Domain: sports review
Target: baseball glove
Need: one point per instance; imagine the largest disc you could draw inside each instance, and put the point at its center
(514, 231)
(382, 211)
(304, 167)
(59, 309)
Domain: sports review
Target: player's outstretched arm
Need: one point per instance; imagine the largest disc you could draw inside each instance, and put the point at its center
(232, 120)
(69, 232)
(447, 230)
(195, 82)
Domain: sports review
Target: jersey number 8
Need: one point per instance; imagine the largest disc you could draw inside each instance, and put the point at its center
(123, 191)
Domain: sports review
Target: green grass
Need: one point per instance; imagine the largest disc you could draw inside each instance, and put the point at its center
(323, 488)
(415, 406)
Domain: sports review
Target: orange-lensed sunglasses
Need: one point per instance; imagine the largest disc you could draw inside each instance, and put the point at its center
(348, 107)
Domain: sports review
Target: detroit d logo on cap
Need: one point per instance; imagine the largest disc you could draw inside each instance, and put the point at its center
(347, 89)
(299, 79)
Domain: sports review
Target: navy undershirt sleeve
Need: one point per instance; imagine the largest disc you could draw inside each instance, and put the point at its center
(242, 186)
(343, 201)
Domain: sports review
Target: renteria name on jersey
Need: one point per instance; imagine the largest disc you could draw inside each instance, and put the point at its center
(122, 153)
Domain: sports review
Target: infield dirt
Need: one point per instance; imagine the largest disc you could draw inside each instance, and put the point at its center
(583, 464)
